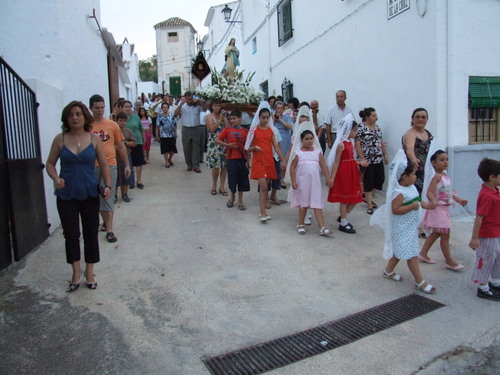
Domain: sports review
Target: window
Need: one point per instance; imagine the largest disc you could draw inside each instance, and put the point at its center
(173, 37)
(285, 30)
(286, 90)
(484, 108)
(254, 45)
(483, 125)
(264, 87)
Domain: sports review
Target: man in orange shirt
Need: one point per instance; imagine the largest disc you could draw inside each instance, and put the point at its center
(112, 140)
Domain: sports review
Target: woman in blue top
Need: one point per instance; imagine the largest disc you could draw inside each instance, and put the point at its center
(77, 189)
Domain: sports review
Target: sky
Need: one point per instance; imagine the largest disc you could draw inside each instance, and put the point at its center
(135, 19)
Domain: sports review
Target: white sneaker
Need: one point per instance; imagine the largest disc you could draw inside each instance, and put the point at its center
(307, 219)
(325, 232)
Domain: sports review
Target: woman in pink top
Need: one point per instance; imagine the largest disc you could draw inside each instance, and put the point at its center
(146, 124)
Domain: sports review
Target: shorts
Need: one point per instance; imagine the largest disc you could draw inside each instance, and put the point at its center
(122, 180)
(168, 145)
(137, 155)
(373, 177)
(487, 260)
(107, 204)
(237, 175)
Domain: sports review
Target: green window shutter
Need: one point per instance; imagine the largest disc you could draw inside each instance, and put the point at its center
(287, 21)
(484, 92)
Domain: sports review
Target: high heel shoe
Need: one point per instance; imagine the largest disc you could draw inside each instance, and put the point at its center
(72, 287)
(93, 285)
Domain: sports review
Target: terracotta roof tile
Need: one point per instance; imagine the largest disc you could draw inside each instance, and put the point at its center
(174, 22)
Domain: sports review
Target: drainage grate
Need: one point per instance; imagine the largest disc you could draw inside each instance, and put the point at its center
(283, 351)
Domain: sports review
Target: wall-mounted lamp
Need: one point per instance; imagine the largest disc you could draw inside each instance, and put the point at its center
(227, 15)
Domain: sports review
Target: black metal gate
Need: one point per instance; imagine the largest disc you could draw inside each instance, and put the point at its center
(23, 212)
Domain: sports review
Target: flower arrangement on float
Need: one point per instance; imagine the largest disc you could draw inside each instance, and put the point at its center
(232, 94)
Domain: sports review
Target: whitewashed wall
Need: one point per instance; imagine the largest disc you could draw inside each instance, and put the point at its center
(174, 59)
(422, 57)
(147, 87)
(131, 62)
(38, 41)
(220, 33)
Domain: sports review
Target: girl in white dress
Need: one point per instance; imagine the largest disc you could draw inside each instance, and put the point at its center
(306, 190)
(401, 222)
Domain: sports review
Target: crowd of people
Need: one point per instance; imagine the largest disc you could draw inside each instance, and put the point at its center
(286, 146)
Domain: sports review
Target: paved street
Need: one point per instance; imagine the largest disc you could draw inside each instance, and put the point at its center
(190, 278)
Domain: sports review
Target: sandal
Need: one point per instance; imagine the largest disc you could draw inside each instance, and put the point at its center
(213, 192)
(276, 201)
(374, 205)
(102, 228)
(110, 236)
(301, 229)
(224, 193)
(242, 207)
(425, 260)
(429, 289)
(72, 287)
(268, 204)
(369, 211)
(325, 231)
(230, 203)
(126, 198)
(392, 276)
(140, 185)
(456, 268)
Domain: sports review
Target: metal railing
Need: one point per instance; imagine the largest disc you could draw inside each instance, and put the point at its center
(19, 137)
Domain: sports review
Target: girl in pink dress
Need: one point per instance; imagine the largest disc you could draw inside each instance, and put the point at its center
(346, 187)
(306, 182)
(146, 124)
(437, 222)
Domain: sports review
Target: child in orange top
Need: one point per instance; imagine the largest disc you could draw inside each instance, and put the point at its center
(261, 141)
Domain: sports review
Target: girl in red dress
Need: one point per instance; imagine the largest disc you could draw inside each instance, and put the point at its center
(344, 169)
(260, 141)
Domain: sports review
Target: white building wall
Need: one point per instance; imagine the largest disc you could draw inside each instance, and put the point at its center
(38, 41)
(220, 33)
(174, 58)
(147, 87)
(423, 57)
(131, 62)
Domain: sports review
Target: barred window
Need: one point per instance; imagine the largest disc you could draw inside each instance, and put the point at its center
(483, 125)
(285, 29)
(484, 107)
(286, 90)
(173, 37)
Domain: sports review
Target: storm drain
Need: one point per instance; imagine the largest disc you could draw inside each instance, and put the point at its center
(283, 351)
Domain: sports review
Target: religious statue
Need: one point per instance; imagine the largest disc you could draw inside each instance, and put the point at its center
(232, 60)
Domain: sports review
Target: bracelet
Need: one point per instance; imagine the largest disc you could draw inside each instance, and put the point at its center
(107, 186)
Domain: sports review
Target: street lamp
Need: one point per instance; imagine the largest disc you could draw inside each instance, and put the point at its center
(227, 15)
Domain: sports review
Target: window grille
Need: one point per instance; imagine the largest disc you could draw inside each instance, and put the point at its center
(484, 107)
(286, 90)
(285, 29)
